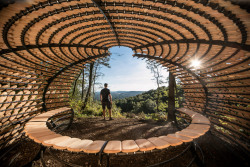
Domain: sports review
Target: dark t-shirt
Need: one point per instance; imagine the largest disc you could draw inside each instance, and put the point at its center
(105, 94)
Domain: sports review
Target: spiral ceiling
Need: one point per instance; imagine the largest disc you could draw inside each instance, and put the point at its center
(46, 43)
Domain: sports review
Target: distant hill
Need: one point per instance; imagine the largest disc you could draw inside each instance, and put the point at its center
(120, 94)
(147, 101)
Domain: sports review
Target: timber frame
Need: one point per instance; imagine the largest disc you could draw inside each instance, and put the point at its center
(46, 43)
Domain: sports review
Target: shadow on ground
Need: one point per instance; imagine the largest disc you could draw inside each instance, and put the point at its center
(217, 153)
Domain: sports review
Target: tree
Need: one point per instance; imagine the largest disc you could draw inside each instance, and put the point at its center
(148, 106)
(83, 81)
(92, 73)
(89, 88)
(94, 79)
(171, 99)
(75, 84)
(156, 70)
(179, 92)
(96, 72)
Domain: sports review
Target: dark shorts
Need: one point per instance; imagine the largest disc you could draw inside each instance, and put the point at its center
(108, 104)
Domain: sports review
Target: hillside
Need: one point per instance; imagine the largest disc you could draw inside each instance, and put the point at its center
(120, 94)
(147, 101)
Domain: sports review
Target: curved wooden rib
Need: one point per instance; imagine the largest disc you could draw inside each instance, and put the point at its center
(37, 130)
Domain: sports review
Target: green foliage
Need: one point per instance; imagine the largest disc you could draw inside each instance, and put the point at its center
(161, 116)
(148, 106)
(76, 105)
(146, 102)
(116, 111)
(94, 108)
(142, 106)
(78, 90)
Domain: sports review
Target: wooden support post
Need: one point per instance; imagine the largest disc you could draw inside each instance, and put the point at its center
(171, 99)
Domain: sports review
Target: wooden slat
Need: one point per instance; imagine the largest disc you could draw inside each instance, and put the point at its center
(39, 119)
(65, 143)
(188, 134)
(198, 118)
(53, 141)
(187, 111)
(35, 123)
(159, 143)
(205, 128)
(180, 137)
(144, 145)
(79, 146)
(129, 146)
(200, 132)
(94, 147)
(113, 146)
(47, 137)
(40, 134)
(171, 141)
(35, 129)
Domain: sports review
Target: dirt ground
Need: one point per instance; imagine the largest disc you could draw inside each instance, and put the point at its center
(217, 153)
(117, 129)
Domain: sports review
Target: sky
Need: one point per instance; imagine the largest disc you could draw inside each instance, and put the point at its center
(127, 73)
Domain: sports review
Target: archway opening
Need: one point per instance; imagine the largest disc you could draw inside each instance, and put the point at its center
(139, 87)
(128, 73)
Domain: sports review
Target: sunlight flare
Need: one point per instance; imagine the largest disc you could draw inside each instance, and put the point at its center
(195, 63)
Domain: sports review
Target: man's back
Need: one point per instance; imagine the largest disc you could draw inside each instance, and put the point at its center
(105, 94)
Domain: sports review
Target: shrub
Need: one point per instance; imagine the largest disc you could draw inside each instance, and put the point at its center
(93, 109)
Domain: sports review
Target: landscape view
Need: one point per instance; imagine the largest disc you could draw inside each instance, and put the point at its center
(120, 70)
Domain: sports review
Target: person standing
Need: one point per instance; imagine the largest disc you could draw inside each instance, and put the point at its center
(106, 100)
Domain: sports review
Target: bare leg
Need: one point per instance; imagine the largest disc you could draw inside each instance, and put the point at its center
(104, 113)
(109, 113)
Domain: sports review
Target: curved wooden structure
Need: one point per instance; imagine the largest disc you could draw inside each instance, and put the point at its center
(45, 43)
(37, 130)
